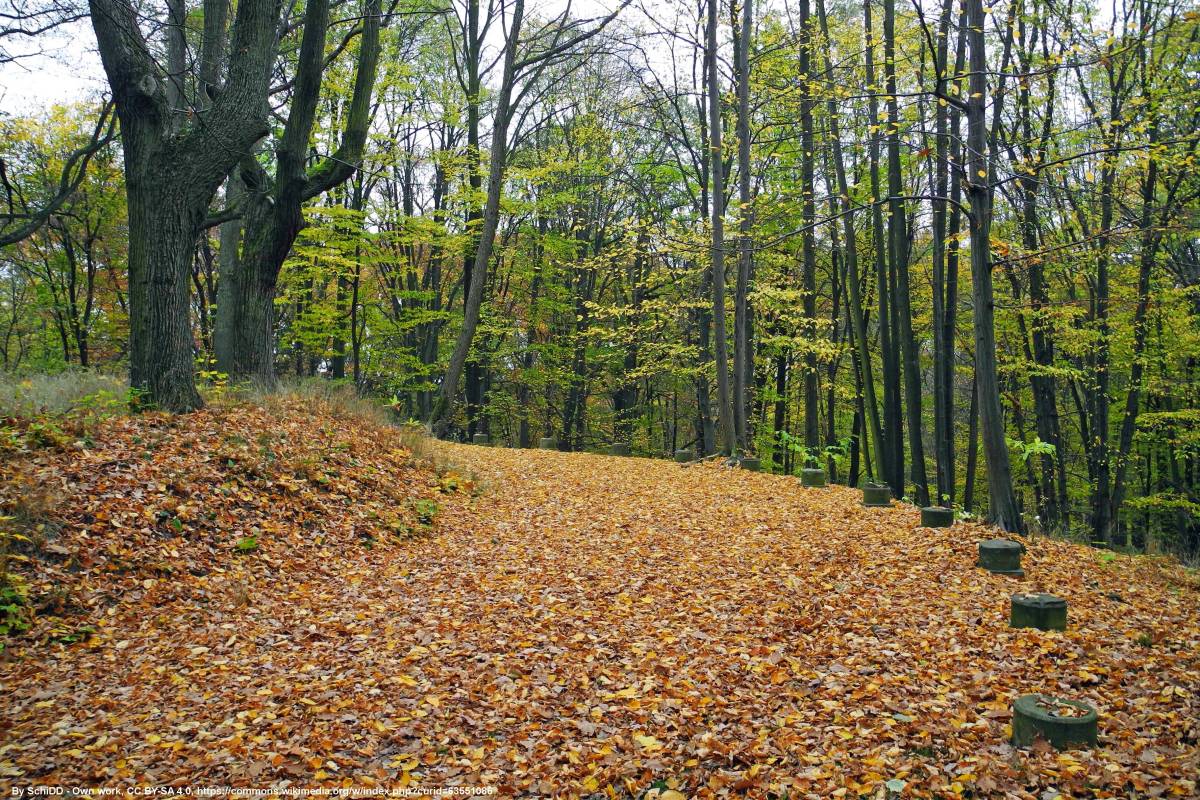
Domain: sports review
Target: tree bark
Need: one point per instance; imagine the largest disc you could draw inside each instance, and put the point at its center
(173, 167)
(899, 252)
(1003, 509)
(443, 413)
(717, 254)
(1041, 380)
(808, 243)
(891, 457)
(743, 369)
(273, 214)
(853, 281)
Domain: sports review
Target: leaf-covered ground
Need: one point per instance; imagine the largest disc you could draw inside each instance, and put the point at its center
(573, 625)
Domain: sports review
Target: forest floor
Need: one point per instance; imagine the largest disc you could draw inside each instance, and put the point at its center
(274, 596)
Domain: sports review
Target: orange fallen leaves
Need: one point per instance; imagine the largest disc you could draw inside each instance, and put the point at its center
(588, 626)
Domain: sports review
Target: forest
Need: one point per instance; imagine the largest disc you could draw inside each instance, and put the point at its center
(948, 247)
(600, 399)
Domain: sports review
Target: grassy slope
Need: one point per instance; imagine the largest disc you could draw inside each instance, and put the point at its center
(585, 624)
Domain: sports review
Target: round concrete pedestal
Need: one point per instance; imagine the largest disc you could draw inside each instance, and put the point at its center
(1001, 556)
(937, 517)
(1062, 723)
(1038, 610)
(875, 496)
(812, 477)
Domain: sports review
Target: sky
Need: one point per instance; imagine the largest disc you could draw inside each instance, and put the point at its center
(69, 69)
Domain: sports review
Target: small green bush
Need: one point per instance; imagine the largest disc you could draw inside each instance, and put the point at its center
(426, 511)
(14, 614)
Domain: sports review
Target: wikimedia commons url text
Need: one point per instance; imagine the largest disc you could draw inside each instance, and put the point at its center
(247, 793)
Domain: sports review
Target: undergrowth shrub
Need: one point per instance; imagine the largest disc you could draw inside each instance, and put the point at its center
(14, 612)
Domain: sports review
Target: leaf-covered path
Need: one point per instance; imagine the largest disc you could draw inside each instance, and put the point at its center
(589, 624)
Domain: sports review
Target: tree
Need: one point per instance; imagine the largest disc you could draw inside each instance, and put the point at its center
(21, 218)
(853, 280)
(180, 144)
(898, 257)
(808, 219)
(716, 174)
(547, 46)
(271, 205)
(1003, 509)
(743, 360)
(72, 264)
(891, 460)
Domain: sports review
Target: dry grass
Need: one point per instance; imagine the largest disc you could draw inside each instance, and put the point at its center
(341, 401)
(66, 393)
(324, 397)
(416, 438)
(30, 395)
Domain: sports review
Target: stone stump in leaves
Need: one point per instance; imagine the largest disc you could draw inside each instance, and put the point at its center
(937, 517)
(1001, 556)
(877, 496)
(1062, 723)
(1038, 610)
(813, 477)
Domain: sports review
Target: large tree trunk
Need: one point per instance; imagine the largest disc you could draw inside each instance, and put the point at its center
(230, 285)
(717, 257)
(164, 218)
(808, 246)
(945, 297)
(898, 248)
(743, 367)
(1003, 509)
(972, 448)
(706, 434)
(472, 50)
(173, 167)
(268, 234)
(890, 459)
